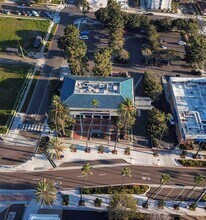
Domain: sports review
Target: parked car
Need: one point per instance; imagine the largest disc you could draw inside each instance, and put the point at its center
(24, 13)
(37, 41)
(85, 32)
(29, 13)
(182, 43)
(163, 47)
(7, 12)
(35, 13)
(18, 12)
(172, 120)
(83, 37)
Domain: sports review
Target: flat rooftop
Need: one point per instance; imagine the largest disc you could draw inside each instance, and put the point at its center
(190, 98)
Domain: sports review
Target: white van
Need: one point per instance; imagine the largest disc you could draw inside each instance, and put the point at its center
(35, 13)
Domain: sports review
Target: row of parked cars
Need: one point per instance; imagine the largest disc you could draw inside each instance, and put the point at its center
(29, 13)
(24, 13)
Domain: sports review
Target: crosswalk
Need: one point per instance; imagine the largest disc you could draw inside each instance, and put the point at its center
(69, 5)
(33, 127)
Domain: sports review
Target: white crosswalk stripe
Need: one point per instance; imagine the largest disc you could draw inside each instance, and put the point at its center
(69, 6)
(32, 127)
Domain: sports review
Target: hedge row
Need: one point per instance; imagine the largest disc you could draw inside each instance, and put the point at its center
(193, 163)
(129, 189)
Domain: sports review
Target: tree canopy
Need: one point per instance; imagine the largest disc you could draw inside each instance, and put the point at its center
(45, 192)
(103, 65)
(59, 115)
(197, 52)
(126, 114)
(151, 87)
(75, 49)
(122, 207)
(157, 123)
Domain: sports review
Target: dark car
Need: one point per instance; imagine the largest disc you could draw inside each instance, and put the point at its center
(37, 41)
(85, 32)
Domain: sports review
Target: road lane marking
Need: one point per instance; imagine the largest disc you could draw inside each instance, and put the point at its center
(36, 179)
(102, 174)
(59, 177)
(145, 174)
(185, 175)
(80, 176)
(145, 178)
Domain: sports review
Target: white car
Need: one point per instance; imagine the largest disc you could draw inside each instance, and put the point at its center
(83, 37)
(163, 47)
(35, 13)
(182, 43)
(172, 120)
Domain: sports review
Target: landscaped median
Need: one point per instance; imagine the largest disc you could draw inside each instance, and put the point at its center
(192, 163)
(129, 189)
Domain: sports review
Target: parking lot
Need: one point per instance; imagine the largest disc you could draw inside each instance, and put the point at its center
(27, 11)
(176, 194)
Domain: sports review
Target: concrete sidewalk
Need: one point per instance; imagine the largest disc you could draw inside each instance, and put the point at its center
(32, 207)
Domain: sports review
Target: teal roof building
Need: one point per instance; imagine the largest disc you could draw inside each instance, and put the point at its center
(78, 92)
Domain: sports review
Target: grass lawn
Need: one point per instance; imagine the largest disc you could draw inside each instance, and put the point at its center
(22, 30)
(12, 77)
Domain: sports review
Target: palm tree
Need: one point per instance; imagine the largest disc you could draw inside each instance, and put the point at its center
(86, 170)
(126, 114)
(46, 193)
(61, 114)
(95, 103)
(56, 148)
(198, 180)
(126, 172)
(165, 178)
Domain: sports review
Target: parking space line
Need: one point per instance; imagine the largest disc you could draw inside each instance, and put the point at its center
(180, 194)
(191, 193)
(169, 193)
(156, 194)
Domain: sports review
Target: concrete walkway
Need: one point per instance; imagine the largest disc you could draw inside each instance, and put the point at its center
(138, 156)
(27, 197)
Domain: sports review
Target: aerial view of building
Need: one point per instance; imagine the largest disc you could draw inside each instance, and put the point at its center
(102, 110)
(78, 92)
(188, 101)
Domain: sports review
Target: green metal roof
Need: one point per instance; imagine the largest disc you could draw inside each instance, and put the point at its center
(84, 100)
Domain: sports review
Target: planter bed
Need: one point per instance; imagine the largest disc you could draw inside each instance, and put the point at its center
(193, 163)
(129, 189)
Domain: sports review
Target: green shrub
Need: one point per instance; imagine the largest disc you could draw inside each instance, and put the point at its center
(65, 199)
(193, 206)
(183, 154)
(68, 133)
(3, 129)
(98, 202)
(101, 149)
(129, 189)
(193, 163)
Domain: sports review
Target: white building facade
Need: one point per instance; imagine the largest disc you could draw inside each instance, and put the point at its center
(157, 4)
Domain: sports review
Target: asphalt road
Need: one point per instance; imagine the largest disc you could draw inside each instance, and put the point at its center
(101, 176)
(14, 154)
(40, 100)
